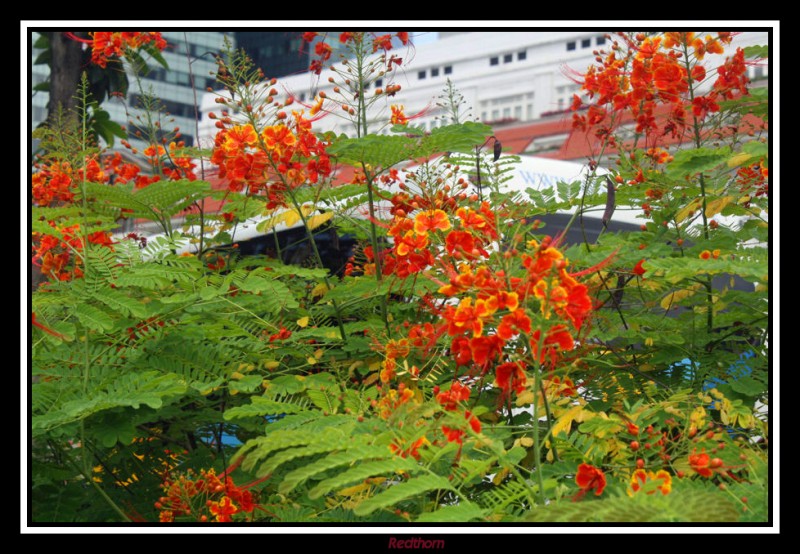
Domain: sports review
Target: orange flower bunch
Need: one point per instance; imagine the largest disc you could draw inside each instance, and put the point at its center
(204, 497)
(642, 73)
(108, 46)
(269, 160)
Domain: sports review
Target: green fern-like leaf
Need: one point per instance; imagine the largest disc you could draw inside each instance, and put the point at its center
(363, 471)
(462, 512)
(678, 506)
(326, 443)
(259, 448)
(353, 454)
(403, 491)
(94, 318)
(121, 303)
(259, 407)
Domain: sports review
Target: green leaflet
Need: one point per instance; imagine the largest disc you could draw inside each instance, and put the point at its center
(260, 406)
(326, 400)
(385, 468)
(261, 447)
(384, 151)
(162, 198)
(354, 454)
(678, 506)
(133, 389)
(397, 493)
(121, 303)
(751, 266)
(698, 160)
(461, 512)
(93, 318)
(325, 443)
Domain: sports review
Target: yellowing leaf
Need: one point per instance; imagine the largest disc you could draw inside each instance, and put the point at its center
(303, 321)
(564, 421)
(525, 398)
(236, 375)
(316, 220)
(355, 489)
(739, 159)
(291, 217)
(271, 364)
(688, 209)
(498, 478)
(319, 353)
(527, 442)
(319, 290)
(671, 299)
(717, 205)
(311, 360)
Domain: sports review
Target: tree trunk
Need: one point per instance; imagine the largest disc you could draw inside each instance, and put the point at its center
(65, 72)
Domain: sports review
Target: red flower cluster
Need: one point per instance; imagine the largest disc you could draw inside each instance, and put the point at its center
(192, 496)
(284, 155)
(323, 50)
(589, 478)
(646, 72)
(109, 46)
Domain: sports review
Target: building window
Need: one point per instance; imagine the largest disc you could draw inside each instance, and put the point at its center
(421, 75)
(600, 41)
(522, 55)
(435, 72)
(448, 69)
(529, 112)
(508, 58)
(506, 113)
(302, 96)
(378, 83)
(495, 115)
(483, 116)
(586, 43)
(494, 60)
(571, 45)
(517, 112)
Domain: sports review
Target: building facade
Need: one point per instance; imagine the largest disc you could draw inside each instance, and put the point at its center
(190, 57)
(506, 78)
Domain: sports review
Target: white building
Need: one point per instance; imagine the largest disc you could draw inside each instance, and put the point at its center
(504, 77)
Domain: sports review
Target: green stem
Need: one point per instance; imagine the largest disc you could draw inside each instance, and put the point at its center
(703, 195)
(537, 452)
(318, 258)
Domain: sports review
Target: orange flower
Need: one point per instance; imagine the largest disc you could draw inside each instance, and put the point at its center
(510, 375)
(660, 481)
(237, 138)
(558, 339)
(398, 116)
(701, 464)
(409, 242)
(224, 509)
(588, 478)
(431, 219)
(638, 269)
(399, 448)
(449, 399)
(705, 255)
(514, 323)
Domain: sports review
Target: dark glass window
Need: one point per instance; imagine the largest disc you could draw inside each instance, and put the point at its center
(494, 60)
(522, 55)
(586, 43)
(571, 45)
(435, 72)
(421, 75)
(508, 58)
(448, 69)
